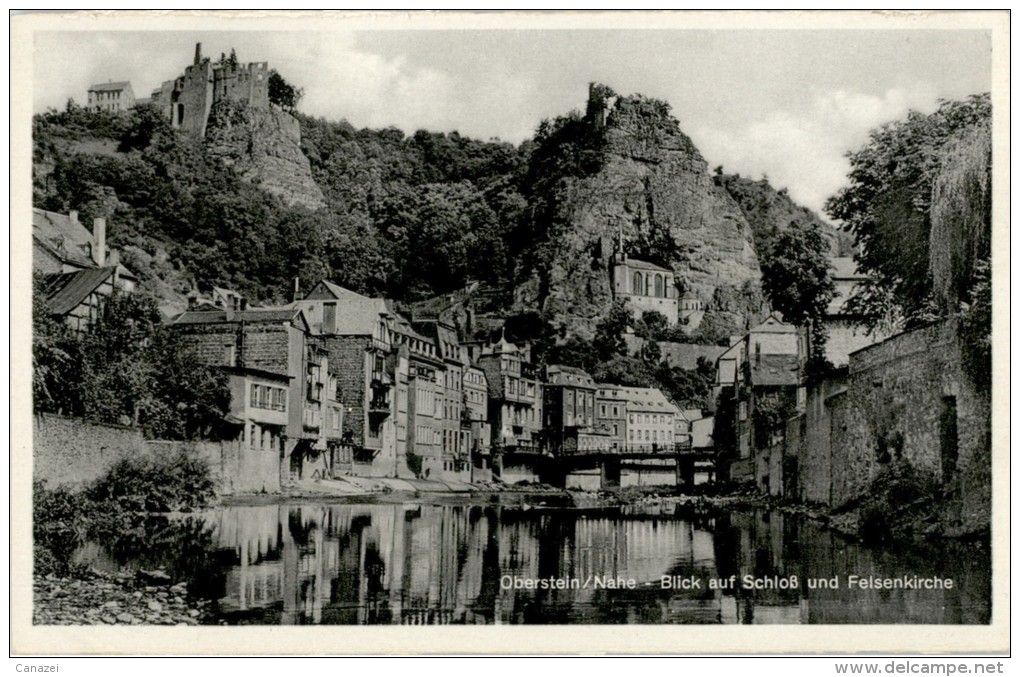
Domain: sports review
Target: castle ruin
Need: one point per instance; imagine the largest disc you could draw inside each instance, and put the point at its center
(187, 100)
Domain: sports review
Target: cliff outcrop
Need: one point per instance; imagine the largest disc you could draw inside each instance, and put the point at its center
(769, 211)
(264, 147)
(651, 193)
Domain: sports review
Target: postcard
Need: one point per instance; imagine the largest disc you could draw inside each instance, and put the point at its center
(510, 332)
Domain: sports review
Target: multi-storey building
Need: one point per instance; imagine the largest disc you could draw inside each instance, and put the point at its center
(261, 350)
(476, 417)
(455, 435)
(421, 375)
(758, 384)
(570, 412)
(515, 397)
(79, 271)
(356, 330)
(611, 415)
(650, 419)
(111, 97)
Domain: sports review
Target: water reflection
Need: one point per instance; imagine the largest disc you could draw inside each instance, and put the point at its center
(423, 564)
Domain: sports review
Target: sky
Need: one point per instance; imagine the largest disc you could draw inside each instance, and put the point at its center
(786, 104)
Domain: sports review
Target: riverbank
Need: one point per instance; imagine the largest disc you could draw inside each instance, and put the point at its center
(97, 598)
(896, 510)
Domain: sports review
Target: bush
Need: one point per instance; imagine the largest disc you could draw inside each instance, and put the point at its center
(164, 484)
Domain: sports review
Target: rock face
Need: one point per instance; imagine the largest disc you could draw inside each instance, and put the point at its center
(770, 211)
(264, 147)
(654, 194)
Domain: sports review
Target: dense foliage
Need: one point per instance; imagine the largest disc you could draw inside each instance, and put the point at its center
(112, 508)
(127, 368)
(888, 208)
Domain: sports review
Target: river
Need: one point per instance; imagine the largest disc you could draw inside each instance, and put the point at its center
(419, 563)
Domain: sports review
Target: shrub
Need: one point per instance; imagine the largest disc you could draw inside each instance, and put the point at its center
(164, 484)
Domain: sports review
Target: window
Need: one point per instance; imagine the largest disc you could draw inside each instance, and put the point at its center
(254, 396)
(639, 285)
(631, 418)
(229, 355)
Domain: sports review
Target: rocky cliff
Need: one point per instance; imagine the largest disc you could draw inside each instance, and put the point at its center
(770, 211)
(652, 192)
(264, 147)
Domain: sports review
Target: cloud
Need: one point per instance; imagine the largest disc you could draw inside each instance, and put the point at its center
(804, 150)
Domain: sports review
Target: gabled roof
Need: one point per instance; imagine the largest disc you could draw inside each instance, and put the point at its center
(357, 315)
(66, 291)
(645, 265)
(110, 86)
(647, 399)
(562, 375)
(773, 325)
(67, 238)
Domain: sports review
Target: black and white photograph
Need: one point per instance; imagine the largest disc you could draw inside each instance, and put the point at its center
(504, 320)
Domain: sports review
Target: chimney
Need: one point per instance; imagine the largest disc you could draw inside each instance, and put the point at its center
(192, 299)
(297, 289)
(198, 53)
(99, 234)
(73, 215)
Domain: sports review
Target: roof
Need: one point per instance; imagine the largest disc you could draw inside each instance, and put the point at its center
(66, 291)
(645, 265)
(775, 370)
(67, 238)
(562, 375)
(683, 355)
(358, 315)
(647, 399)
(260, 373)
(773, 325)
(110, 86)
(250, 315)
(845, 268)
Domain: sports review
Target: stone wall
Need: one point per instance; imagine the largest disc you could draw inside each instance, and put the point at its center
(72, 451)
(907, 399)
(235, 467)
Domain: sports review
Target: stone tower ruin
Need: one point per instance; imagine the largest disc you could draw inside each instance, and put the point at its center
(187, 100)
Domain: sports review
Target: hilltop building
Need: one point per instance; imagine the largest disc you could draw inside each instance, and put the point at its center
(188, 99)
(111, 97)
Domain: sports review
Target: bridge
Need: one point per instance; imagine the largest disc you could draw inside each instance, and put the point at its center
(613, 459)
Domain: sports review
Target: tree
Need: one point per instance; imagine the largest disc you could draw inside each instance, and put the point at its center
(796, 279)
(126, 368)
(795, 274)
(281, 92)
(887, 207)
(609, 342)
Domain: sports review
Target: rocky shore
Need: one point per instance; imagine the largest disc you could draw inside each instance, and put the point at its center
(97, 598)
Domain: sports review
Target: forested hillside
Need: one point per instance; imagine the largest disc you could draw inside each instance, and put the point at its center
(408, 217)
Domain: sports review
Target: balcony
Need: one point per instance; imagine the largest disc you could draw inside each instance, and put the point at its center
(311, 420)
(381, 379)
(379, 409)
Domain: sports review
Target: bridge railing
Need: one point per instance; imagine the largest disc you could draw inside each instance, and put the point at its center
(651, 449)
